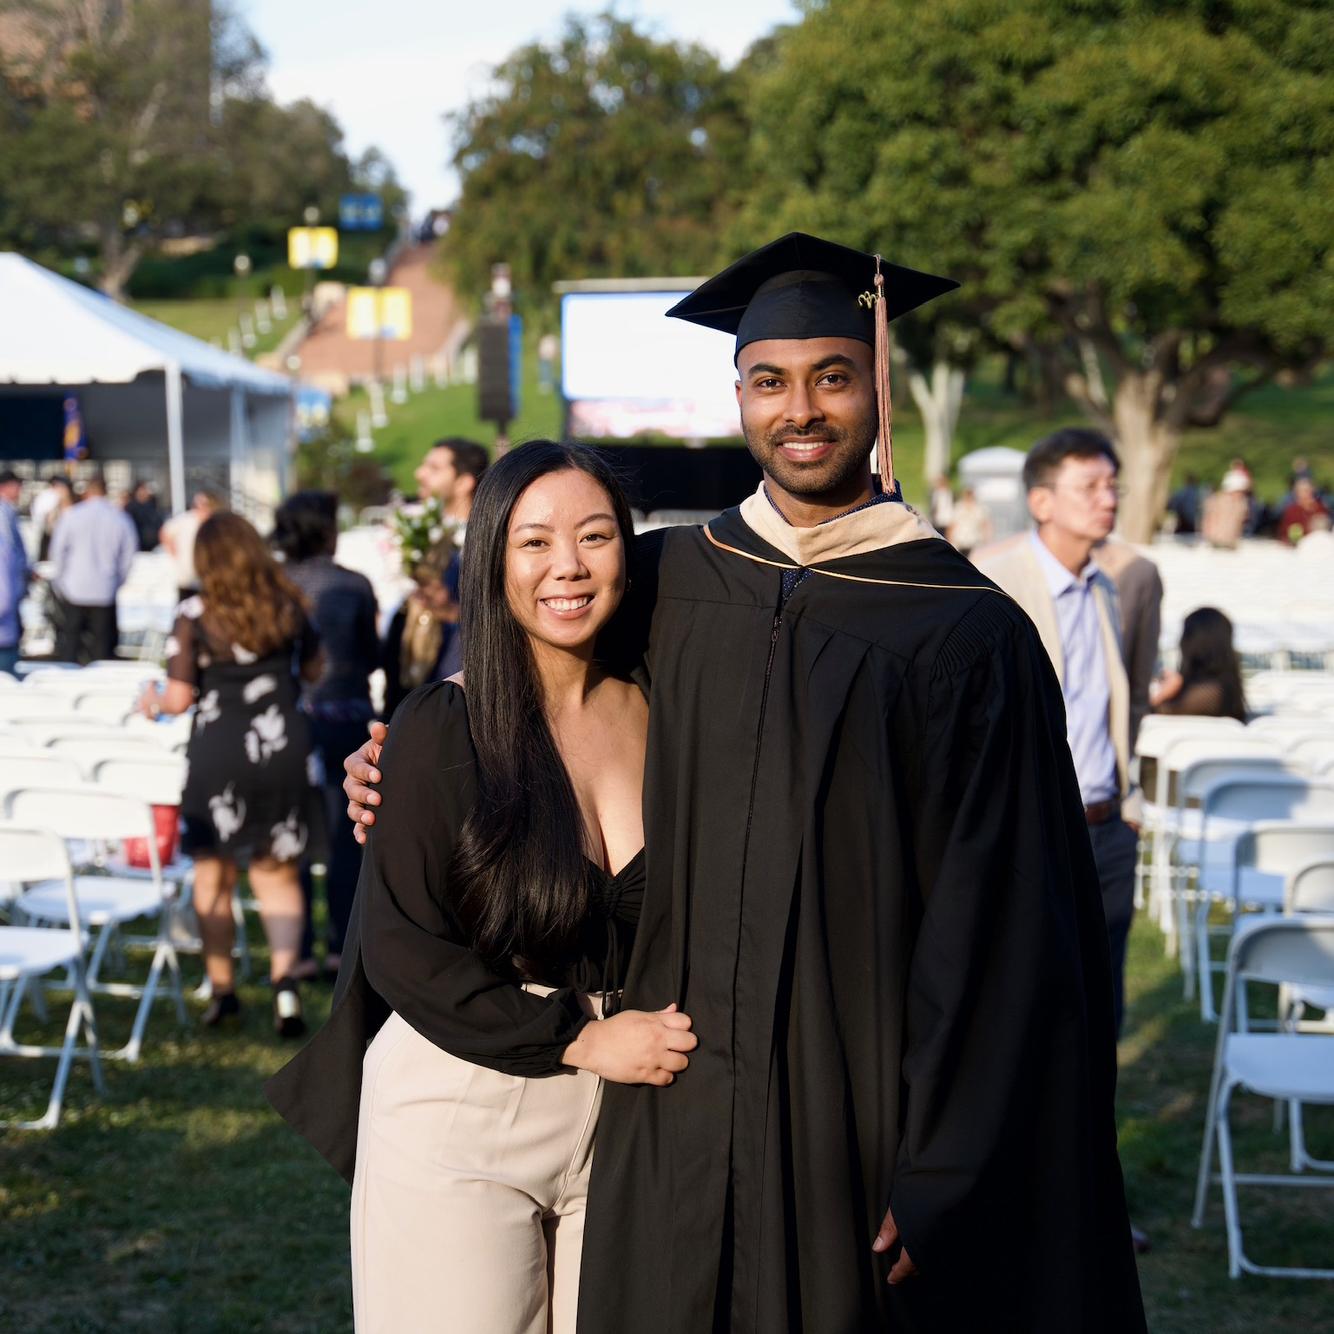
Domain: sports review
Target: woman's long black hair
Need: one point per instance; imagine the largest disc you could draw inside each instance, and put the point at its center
(520, 864)
(1207, 655)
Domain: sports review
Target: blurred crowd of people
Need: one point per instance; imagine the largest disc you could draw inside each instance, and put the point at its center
(274, 646)
(962, 520)
(1223, 515)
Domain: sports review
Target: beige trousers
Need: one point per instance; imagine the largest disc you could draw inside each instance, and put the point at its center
(469, 1194)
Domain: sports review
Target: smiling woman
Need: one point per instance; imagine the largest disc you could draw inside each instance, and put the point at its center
(548, 541)
(498, 904)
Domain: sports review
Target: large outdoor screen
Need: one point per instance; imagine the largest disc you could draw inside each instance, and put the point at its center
(628, 371)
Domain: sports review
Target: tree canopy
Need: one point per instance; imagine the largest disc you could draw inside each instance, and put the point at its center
(604, 153)
(125, 124)
(1143, 190)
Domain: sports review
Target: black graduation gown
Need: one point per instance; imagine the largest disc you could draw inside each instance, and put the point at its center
(871, 887)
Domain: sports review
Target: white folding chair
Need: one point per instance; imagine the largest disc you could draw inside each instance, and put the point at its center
(106, 902)
(135, 667)
(156, 777)
(1313, 752)
(90, 751)
(54, 678)
(24, 703)
(1177, 755)
(1228, 875)
(1286, 728)
(1309, 890)
(41, 731)
(1285, 1066)
(105, 706)
(1157, 732)
(39, 768)
(28, 953)
(170, 733)
(1186, 850)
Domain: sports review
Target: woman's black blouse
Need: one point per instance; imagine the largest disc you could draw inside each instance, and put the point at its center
(413, 944)
(406, 949)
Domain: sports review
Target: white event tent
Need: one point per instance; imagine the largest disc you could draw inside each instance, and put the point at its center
(148, 394)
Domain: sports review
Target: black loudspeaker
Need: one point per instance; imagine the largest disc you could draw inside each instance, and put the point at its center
(494, 373)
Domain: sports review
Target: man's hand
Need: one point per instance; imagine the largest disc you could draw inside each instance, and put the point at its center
(362, 775)
(884, 1239)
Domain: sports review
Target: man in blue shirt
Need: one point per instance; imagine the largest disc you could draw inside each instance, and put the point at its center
(13, 571)
(93, 547)
(1072, 482)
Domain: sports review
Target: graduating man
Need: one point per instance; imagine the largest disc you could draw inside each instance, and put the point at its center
(870, 886)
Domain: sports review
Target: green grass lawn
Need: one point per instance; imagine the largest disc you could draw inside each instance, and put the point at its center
(433, 413)
(215, 318)
(181, 1202)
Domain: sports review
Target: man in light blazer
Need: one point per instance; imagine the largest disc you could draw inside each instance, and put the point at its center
(1072, 483)
(1139, 590)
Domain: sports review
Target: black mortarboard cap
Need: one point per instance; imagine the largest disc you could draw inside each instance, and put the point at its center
(803, 287)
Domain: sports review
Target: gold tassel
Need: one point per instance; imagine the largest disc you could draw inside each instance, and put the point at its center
(885, 407)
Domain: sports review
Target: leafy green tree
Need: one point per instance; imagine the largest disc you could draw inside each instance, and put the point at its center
(275, 161)
(108, 111)
(123, 124)
(373, 173)
(1142, 189)
(605, 153)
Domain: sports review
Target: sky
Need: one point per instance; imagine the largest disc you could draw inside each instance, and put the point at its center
(389, 70)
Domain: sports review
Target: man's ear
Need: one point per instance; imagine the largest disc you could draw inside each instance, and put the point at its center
(1040, 503)
(471, 483)
(737, 386)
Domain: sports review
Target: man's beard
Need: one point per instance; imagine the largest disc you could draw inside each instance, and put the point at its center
(811, 481)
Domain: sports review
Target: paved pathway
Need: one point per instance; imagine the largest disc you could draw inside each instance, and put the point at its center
(328, 354)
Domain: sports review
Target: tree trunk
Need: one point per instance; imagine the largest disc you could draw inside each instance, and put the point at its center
(939, 401)
(1148, 448)
(119, 261)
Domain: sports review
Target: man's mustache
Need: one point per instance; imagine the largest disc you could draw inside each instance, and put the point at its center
(828, 433)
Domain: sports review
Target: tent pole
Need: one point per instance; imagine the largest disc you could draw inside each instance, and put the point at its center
(175, 438)
(240, 491)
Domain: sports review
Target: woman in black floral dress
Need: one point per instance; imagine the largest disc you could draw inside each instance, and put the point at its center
(236, 653)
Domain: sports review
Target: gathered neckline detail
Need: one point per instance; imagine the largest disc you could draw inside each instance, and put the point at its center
(615, 875)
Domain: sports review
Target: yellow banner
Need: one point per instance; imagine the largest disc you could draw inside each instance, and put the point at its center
(312, 247)
(379, 312)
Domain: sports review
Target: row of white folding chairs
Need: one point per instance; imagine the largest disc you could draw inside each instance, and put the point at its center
(111, 704)
(163, 734)
(1212, 852)
(30, 954)
(58, 908)
(131, 766)
(1280, 693)
(1292, 1067)
(1169, 748)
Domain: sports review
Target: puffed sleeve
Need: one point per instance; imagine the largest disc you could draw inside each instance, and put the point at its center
(411, 939)
(182, 661)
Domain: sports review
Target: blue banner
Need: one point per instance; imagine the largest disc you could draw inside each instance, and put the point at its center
(360, 213)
